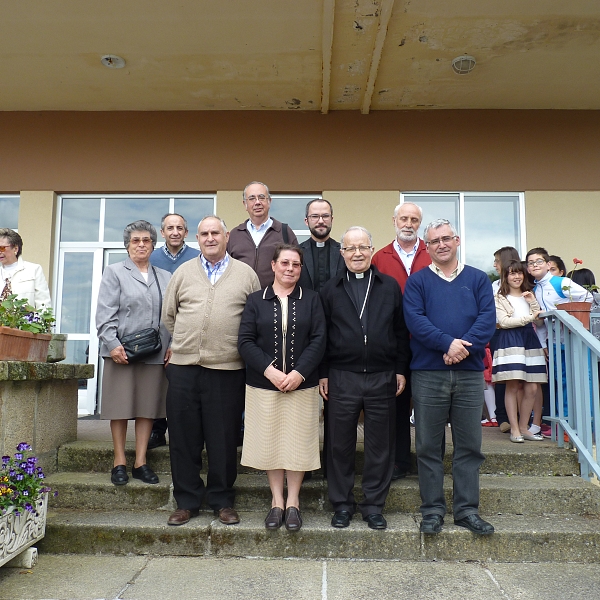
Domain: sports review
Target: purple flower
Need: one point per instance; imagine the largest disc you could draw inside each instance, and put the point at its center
(12, 473)
(23, 465)
(17, 513)
(18, 456)
(23, 446)
(20, 477)
(25, 492)
(40, 476)
(5, 460)
(29, 507)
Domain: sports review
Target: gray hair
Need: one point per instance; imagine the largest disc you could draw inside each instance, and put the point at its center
(404, 204)
(436, 225)
(214, 217)
(318, 200)
(253, 183)
(140, 225)
(162, 221)
(13, 238)
(357, 228)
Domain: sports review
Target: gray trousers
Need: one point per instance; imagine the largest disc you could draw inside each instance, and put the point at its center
(457, 396)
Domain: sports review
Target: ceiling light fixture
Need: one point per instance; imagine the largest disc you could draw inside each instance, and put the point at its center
(112, 62)
(463, 64)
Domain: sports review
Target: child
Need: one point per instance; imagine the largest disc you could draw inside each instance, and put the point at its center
(519, 358)
(550, 291)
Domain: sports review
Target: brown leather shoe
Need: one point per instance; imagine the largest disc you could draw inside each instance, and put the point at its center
(293, 520)
(181, 516)
(228, 516)
(274, 518)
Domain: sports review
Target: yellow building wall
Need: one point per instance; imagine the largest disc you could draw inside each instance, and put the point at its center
(566, 224)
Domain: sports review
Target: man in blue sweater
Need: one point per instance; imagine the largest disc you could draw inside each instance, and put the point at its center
(450, 313)
(173, 254)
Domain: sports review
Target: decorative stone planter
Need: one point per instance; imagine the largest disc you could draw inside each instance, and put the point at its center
(23, 345)
(18, 533)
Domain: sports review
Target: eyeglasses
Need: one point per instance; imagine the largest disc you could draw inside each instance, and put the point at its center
(325, 217)
(446, 240)
(353, 249)
(145, 240)
(536, 263)
(254, 199)
(287, 263)
(5, 248)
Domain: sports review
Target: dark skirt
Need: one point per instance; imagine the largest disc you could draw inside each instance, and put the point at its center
(132, 391)
(519, 355)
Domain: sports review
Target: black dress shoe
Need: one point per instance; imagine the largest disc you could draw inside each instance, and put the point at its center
(156, 440)
(145, 473)
(119, 476)
(375, 521)
(475, 524)
(398, 473)
(341, 518)
(274, 519)
(293, 520)
(431, 524)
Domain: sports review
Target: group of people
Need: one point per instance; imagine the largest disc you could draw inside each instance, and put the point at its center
(255, 321)
(520, 344)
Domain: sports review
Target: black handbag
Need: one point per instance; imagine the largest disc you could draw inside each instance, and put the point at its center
(146, 342)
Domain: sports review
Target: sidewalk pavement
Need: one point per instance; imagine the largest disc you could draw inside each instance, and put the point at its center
(83, 577)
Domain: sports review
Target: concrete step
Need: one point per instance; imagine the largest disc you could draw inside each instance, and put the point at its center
(517, 538)
(517, 495)
(502, 457)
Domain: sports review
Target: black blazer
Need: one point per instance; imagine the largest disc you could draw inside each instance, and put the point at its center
(387, 347)
(260, 340)
(336, 263)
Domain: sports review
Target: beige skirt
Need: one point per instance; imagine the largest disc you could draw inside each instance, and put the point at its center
(132, 391)
(281, 431)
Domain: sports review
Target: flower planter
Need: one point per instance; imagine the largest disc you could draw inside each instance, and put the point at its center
(18, 533)
(23, 345)
(580, 310)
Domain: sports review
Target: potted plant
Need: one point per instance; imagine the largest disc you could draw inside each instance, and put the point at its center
(24, 331)
(23, 503)
(580, 310)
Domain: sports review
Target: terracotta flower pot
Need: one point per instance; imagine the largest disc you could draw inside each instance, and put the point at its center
(23, 345)
(580, 310)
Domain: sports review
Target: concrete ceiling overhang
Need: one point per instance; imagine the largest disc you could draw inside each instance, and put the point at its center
(317, 55)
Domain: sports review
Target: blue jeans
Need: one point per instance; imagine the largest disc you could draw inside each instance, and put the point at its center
(439, 396)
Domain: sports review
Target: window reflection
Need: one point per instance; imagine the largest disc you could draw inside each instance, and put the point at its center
(9, 211)
(290, 211)
(80, 220)
(119, 212)
(193, 210)
(77, 292)
(491, 222)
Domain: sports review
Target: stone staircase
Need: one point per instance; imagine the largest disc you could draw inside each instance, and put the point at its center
(541, 509)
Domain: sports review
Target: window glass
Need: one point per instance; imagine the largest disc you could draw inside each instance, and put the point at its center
(9, 211)
(76, 298)
(80, 220)
(290, 210)
(119, 212)
(436, 206)
(193, 210)
(490, 223)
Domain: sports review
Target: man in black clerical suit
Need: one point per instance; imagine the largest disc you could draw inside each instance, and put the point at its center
(322, 258)
(322, 261)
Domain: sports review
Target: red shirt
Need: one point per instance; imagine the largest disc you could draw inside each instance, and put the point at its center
(388, 262)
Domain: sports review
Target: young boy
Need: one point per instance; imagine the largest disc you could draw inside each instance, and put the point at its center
(551, 290)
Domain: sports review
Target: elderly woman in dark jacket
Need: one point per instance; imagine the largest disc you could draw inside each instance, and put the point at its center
(282, 340)
(129, 301)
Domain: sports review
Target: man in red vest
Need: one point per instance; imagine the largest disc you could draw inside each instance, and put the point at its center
(405, 255)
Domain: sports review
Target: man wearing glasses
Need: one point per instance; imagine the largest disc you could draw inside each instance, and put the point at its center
(405, 255)
(450, 313)
(322, 258)
(254, 241)
(363, 369)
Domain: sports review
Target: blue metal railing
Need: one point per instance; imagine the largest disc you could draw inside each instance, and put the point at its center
(574, 354)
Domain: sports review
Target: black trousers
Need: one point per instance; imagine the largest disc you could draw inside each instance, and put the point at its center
(204, 406)
(375, 394)
(402, 459)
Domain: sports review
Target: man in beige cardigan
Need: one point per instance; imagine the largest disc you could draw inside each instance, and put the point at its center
(202, 310)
